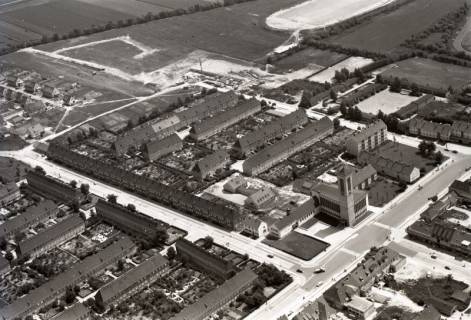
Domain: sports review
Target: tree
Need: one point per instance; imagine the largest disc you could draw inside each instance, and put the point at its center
(415, 91)
(161, 237)
(336, 123)
(131, 207)
(333, 95)
(439, 157)
(69, 295)
(85, 188)
(112, 198)
(305, 101)
(73, 184)
(171, 253)
(9, 256)
(423, 148)
(75, 205)
(343, 109)
(208, 242)
(39, 169)
(396, 85)
(3, 243)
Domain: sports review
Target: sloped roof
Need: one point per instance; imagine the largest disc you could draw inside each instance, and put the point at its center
(211, 161)
(77, 312)
(130, 278)
(297, 214)
(362, 174)
(167, 143)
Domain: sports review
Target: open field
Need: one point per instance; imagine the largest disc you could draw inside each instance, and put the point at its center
(386, 101)
(431, 73)
(299, 245)
(298, 60)
(319, 13)
(387, 31)
(351, 64)
(237, 31)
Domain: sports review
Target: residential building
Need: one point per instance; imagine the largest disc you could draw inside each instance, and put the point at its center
(364, 177)
(462, 189)
(159, 148)
(160, 128)
(461, 131)
(4, 265)
(29, 130)
(133, 281)
(52, 237)
(234, 184)
(430, 129)
(358, 282)
(188, 203)
(260, 197)
(31, 86)
(293, 219)
(367, 139)
(52, 188)
(76, 312)
(295, 142)
(33, 215)
(202, 259)
(255, 227)
(211, 163)
(219, 297)
(394, 169)
(132, 222)
(56, 287)
(13, 81)
(342, 202)
(220, 121)
(9, 193)
(359, 307)
(446, 235)
(274, 129)
(439, 207)
(50, 89)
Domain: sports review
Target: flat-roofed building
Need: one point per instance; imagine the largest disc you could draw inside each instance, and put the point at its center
(295, 142)
(133, 281)
(368, 138)
(52, 236)
(219, 297)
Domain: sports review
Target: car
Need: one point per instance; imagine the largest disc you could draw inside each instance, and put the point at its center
(447, 268)
(299, 271)
(320, 283)
(269, 255)
(433, 256)
(319, 270)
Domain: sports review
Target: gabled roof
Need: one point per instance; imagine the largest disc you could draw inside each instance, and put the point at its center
(211, 161)
(130, 278)
(170, 142)
(296, 215)
(77, 312)
(362, 174)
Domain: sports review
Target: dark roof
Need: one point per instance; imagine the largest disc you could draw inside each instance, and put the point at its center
(7, 189)
(24, 220)
(4, 263)
(232, 286)
(429, 313)
(74, 274)
(271, 130)
(50, 234)
(296, 215)
(130, 278)
(461, 187)
(165, 145)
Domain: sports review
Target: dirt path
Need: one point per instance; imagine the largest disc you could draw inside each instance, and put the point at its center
(465, 32)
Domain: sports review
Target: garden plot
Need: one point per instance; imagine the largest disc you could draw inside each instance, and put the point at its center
(386, 101)
(351, 64)
(320, 13)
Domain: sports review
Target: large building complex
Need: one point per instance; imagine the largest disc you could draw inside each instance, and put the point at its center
(132, 281)
(57, 286)
(218, 298)
(368, 138)
(459, 131)
(211, 126)
(274, 129)
(160, 128)
(279, 151)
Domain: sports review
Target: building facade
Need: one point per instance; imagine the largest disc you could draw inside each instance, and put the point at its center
(368, 138)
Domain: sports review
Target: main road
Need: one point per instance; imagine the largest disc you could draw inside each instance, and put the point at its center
(377, 230)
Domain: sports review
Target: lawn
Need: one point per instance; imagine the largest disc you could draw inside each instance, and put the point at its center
(382, 192)
(387, 31)
(429, 73)
(351, 64)
(386, 101)
(406, 154)
(299, 245)
(317, 57)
